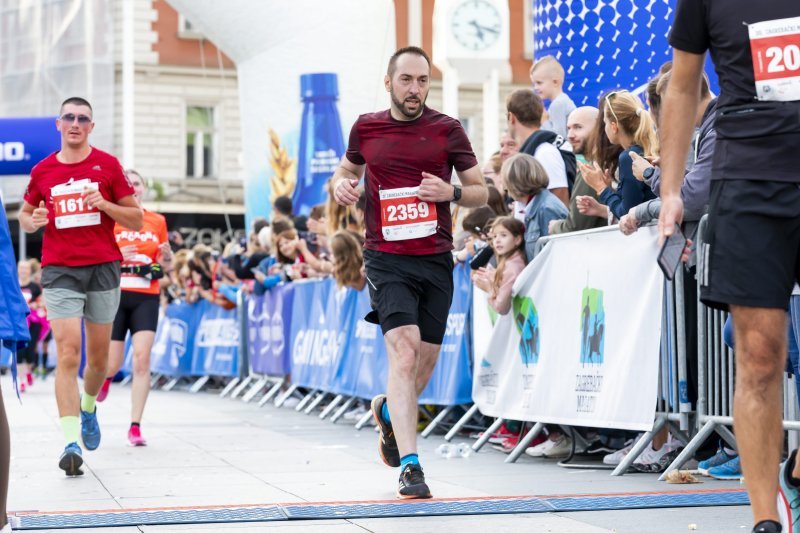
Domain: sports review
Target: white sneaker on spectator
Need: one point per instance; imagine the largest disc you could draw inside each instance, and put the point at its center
(291, 402)
(617, 457)
(562, 447)
(650, 456)
(356, 413)
(540, 449)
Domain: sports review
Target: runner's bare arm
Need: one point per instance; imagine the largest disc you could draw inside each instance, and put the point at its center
(678, 116)
(474, 192)
(127, 211)
(345, 180)
(32, 218)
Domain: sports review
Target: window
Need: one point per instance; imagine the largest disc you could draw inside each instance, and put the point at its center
(201, 138)
(186, 30)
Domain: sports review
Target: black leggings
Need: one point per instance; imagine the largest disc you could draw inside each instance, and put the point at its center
(29, 353)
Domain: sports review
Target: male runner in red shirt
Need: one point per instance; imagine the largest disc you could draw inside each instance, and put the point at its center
(77, 194)
(409, 152)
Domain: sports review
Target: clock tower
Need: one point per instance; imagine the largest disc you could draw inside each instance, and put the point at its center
(471, 45)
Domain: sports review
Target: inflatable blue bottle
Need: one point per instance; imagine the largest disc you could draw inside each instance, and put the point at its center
(321, 141)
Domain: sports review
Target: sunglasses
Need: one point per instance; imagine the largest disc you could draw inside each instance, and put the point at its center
(70, 118)
(608, 98)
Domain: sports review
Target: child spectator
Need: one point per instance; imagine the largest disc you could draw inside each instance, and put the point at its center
(348, 260)
(547, 76)
(527, 183)
(477, 224)
(629, 125)
(508, 242)
(290, 256)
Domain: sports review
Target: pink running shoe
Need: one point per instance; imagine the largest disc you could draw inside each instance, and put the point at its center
(22, 386)
(135, 437)
(103, 394)
(29, 377)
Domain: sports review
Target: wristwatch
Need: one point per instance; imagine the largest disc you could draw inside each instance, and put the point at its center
(648, 172)
(456, 193)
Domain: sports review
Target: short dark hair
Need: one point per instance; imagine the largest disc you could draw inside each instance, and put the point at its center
(527, 106)
(406, 50)
(283, 205)
(77, 100)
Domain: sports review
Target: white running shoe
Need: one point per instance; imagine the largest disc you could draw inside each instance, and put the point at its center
(650, 456)
(562, 447)
(617, 457)
(540, 449)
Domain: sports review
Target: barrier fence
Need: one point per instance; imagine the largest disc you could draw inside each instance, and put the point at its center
(590, 294)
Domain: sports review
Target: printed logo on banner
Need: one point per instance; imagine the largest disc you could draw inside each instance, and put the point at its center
(527, 320)
(218, 332)
(278, 341)
(178, 333)
(316, 347)
(593, 325)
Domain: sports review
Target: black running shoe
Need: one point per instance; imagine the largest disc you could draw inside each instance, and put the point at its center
(387, 445)
(767, 526)
(412, 483)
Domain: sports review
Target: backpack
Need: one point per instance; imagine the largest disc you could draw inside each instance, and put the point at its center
(545, 136)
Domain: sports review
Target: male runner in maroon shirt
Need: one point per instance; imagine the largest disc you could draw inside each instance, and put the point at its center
(409, 152)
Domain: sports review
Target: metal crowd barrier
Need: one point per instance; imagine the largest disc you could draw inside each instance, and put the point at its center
(716, 371)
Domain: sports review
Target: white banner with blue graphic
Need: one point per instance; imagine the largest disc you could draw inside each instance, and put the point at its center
(581, 343)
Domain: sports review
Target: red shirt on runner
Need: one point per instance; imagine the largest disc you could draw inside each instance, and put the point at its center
(396, 153)
(76, 235)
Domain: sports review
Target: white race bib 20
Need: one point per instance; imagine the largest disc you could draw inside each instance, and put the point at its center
(775, 45)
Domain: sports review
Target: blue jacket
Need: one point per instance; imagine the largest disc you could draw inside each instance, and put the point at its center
(270, 281)
(544, 207)
(13, 309)
(630, 192)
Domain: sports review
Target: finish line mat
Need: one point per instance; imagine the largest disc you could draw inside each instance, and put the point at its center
(377, 509)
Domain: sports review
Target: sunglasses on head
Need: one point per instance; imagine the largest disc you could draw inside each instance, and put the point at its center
(608, 99)
(71, 117)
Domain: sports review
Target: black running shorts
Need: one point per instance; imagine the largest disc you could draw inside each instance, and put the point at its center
(410, 290)
(137, 312)
(751, 244)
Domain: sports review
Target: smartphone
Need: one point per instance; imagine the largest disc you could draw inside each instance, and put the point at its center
(671, 251)
(481, 258)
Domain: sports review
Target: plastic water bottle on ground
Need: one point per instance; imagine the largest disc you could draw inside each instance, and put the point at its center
(447, 451)
(464, 449)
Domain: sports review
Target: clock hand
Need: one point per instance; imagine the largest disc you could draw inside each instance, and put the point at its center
(477, 29)
(493, 29)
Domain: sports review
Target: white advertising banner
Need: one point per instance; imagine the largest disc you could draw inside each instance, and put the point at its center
(581, 343)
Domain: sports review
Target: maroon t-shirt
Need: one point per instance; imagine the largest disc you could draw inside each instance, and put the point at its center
(86, 236)
(396, 153)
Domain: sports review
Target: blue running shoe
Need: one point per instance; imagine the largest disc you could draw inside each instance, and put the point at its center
(788, 498)
(71, 460)
(90, 430)
(719, 458)
(730, 470)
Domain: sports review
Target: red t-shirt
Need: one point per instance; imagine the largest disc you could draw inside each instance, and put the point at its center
(76, 235)
(147, 241)
(396, 153)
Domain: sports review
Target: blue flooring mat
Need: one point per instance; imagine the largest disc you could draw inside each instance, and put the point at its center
(383, 509)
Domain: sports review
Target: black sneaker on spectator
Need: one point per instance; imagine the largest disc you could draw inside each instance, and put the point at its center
(412, 484)
(387, 445)
(598, 447)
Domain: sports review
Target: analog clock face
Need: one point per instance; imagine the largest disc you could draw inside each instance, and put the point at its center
(476, 24)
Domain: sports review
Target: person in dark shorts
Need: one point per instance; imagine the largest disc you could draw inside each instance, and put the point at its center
(407, 154)
(750, 258)
(77, 194)
(146, 255)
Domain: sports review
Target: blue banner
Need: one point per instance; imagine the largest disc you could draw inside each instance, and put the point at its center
(26, 141)
(174, 344)
(451, 382)
(316, 334)
(365, 357)
(268, 325)
(216, 344)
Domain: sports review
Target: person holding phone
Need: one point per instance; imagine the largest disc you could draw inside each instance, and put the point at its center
(147, 258)
(751, 256)
(407, 155)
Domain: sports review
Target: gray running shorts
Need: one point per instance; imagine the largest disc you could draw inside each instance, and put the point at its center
(91, 292)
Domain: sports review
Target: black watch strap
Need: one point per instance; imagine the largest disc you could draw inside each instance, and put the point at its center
(456, 193)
